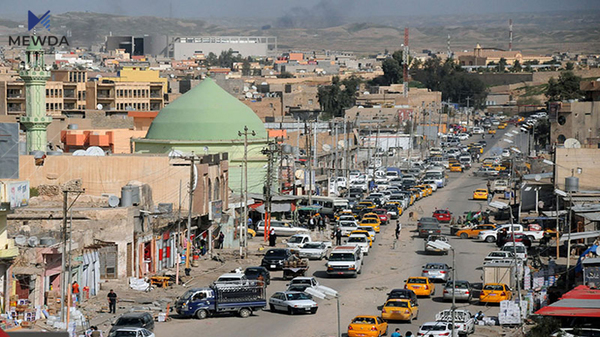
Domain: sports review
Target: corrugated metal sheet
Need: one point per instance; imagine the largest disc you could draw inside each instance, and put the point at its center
(580, 235)
(579, 302)
(568, 312)
(595, 216)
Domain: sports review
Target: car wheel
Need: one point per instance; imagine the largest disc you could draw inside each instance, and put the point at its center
(290, 311)
(531, 238)
(272, 307)
(490, 239)
(464, 236)
(313, 311)
(245, 312)
(417, 315)
(201, 314)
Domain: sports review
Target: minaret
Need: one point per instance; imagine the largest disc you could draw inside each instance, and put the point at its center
(35, 74)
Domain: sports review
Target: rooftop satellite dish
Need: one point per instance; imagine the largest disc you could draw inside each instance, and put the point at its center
(248, 95)
(326, 147)
(537, 177)
(299, 174)
(79, 153)
(94, 151)
(572, 143)
(246, 88)
(99, 106)
(33, 241)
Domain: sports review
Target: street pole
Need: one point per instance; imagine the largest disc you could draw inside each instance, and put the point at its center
(64, 256)
(178, 244)
(242, 199)
(189, 220)
(346, 167)
(568, 225)
(512, 230)
(244, 223)
(308, 161)
(453, 290)
(338, 316)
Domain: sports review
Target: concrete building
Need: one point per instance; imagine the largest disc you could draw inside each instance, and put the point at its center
(484, 56)
(207, 119)
(182, 48)
(579, 120)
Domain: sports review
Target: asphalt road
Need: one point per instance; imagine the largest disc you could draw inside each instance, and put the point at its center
(386, 267)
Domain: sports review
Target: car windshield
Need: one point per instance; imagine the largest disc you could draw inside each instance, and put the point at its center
(357, 239)
(129, 321)
(417, 280)
(126, 333)
(298, 296)
(341, 257)
(398, 304)
(312, 245)
(276, 253)
(433, 328)
(369, 220)
(301, 281)
(519, 249)
(363, 320)
(188, 294)
(493, 287)
(251, 272)
(459, 285)
(295, 239)
(435, 266)
(497, 254)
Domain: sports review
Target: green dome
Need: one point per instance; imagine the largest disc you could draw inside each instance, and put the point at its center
(205, 113)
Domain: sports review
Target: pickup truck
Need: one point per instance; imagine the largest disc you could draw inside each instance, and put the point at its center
(500, 185)
(464, 322)
(492, 235)
(204, 302)
(298, 240)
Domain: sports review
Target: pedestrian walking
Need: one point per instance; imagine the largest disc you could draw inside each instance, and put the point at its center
(112, 302)
(311, 223)
(75, 291)
(221, 238)
(398, 228)
(272, 238)
(338, 237)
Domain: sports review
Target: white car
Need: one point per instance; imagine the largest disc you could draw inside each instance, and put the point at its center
(435, 329)
(293, 302)
(431, 183)
(132, 332)
(347, 226)
(477, 130)
(519, 247)
(369, 229)
(506, 153)
(498, 255)
(282, 228)
(463, 320)
(313, 251)
(463, 136)
(360, 240)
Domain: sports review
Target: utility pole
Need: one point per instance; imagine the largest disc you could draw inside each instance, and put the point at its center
(268, 151)
(244, 224)
(178, 244)
(307, 130)
(65, 289)
(346, 166)
(188, 267)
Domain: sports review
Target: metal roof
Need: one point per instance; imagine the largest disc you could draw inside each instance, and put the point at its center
(595, 216)
(579, 302)
(580, 235)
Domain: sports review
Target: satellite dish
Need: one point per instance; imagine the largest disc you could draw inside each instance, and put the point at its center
(99, 106)
(246, 88)
(299, 174)
(598, 250)
(572, 143)
(175, 154)
(326, 147)
(94, 151)
(20, 240)
(79, 153)
(206, 150)
(248, 95)
(341, 144)
(98, 76)
(113, 201)
(33, 241)
(537, 177)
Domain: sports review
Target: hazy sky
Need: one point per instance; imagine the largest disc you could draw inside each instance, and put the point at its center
(275, 8)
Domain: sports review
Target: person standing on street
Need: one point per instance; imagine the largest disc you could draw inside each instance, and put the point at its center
(272, 238)
(112, 302)
(398, 227)
(338, 237)
(75, 290)
(541, 208)
(396, 333)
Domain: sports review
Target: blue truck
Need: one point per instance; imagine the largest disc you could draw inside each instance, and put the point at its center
(222, 299)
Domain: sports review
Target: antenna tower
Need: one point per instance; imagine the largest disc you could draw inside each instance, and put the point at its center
(510, 35)
(405, 63)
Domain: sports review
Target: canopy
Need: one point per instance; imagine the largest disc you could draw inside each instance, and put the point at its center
(579, 302)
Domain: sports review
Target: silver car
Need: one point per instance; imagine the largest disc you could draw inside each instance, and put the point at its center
(463, 291)
(313, 250)
(436, 271)
(282, 228)
(292, 302)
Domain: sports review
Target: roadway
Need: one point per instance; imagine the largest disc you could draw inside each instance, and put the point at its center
(385, 268)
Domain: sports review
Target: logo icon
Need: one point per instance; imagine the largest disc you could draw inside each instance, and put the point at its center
(34, 20)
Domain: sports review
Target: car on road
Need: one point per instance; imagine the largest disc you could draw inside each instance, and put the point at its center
(427, 220)
(498, 255)
(252, 273)
(400, 310)
(420, 285)
(463, 291)
(430, 249)
(495, 293)
(485, 172)
(383, 215)
(134, 320)
(436, 271)
(464, 321)
(519, 237)
(517, 247)
(369, 229)
(455, 167)
(480, 194)
(367, 326)
(477, 130)
(435, 329)
(347, 226)
(282, 228)
(402, 294)
(275, 257)
(292, 302)
(443, 215)
(361, 240)
(313, 251)
(371, 222)
(473, 231)
(132, 332)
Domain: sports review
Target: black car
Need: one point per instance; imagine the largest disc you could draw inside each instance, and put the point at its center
(134, 320)
(252, 273)
(275, 257)
(482, 143)
(405, 294)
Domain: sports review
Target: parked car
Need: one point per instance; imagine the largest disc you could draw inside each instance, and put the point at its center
(463, 291)
(435, 329)
(282, 228)
(292, 302)
(519, 237)
(498, 255)
(131, 332)
(134, 320)
(252, 273)
(495, 293)
(519, 247)
(436, 271)
(464, 322)
(473, 231)
(313, 251)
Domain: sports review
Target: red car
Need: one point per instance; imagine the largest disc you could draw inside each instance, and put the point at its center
(382, 214)
(443, 215)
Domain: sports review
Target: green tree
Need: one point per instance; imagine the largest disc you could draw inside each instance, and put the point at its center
(570, 66)
(516, 67)
(338, 96)
(501, 67)
(246, 68)
(565, 88)
(392, 71)
(542, 132)
(212, 59)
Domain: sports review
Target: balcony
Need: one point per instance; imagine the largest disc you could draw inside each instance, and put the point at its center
(156, 94)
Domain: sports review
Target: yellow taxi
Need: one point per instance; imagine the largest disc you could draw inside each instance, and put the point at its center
(344, 212)
(492, 131)
(495, 293)
(417, 193)
(375, 223)
(400, 310)
(360, 231)
(365, 204)
(251, 233)
(420, 285)
(424, 191)
(455, 167)
(367, 326)
(397, 205)
(520, 119)
(473, 232)
(480, 194)
(427, 188)
(499, 167)
(502, 126)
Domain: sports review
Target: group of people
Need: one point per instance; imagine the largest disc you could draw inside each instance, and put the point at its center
(318, 221)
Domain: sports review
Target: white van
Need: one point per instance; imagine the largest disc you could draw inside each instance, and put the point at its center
(438, 176)
(345, 260)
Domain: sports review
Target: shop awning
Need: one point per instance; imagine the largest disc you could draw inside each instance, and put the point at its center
(275, 208)
(579, 302)
(594, 216)
(580, 235)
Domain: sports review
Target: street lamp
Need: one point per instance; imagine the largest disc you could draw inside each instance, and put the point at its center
(441, 245)
(327, 293)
